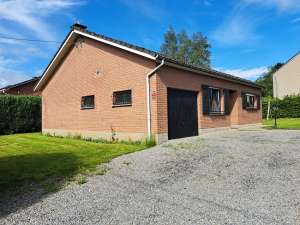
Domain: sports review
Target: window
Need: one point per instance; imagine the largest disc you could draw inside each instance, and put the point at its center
(211, 101)
(250, 101)
(122, 98)
(88, 102)
(215, 102)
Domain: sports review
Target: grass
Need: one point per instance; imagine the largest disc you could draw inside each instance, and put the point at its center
(34, 158)
(284, 123)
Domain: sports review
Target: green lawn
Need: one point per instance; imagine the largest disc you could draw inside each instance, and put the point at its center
(26, 158)
(284, 123)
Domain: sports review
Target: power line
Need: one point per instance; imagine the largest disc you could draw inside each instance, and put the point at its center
(25, 39)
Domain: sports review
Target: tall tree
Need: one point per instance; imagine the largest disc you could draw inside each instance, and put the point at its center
(266, 80)
(193, 50)
(169, 47)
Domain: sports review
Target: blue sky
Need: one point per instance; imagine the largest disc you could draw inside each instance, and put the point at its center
(246, 36)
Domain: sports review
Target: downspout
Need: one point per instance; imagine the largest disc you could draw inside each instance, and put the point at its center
(148, 76)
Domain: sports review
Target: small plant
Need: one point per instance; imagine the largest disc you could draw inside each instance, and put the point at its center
(113, 135)
(150, 141)
(81, 179)
(101, 171)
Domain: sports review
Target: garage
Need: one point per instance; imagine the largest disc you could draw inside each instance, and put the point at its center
(182, 113)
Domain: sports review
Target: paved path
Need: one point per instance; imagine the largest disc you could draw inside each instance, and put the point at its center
(227, 177)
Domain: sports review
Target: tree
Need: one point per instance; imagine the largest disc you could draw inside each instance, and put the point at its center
(266, 80)
(169, 48)
(190, 50)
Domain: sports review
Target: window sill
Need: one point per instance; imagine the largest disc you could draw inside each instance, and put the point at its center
(251, 109)
(123, 105)
(84, 108)
(216, 114)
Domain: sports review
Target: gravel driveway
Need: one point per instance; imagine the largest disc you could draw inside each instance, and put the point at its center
(225, 177)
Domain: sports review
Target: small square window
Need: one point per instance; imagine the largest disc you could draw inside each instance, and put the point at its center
(122, 98)
(88, 102)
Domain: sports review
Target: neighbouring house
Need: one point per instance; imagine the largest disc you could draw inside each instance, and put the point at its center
(22, 88)
(286, 80)
(99, 87)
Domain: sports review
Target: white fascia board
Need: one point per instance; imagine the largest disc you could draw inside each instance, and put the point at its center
(53, 61)
(115, 45)
(44, 76)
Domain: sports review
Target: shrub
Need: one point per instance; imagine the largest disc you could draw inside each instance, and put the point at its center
(289, 107)
(19, 114)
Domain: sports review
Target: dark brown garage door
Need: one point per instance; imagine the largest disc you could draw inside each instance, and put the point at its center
(182, 113)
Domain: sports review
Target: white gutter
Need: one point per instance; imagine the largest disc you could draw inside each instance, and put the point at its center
(148, 76)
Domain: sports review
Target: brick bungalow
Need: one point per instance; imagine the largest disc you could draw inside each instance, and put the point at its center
(100, 87)
(23, 88)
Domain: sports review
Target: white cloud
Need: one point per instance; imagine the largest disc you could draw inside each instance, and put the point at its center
(235, 30)
(280, 5)
(251, 74)
(33, 19)
(8, 75)
(30, 14)
(147, 8)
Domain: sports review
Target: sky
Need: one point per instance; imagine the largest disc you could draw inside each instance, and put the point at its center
(247, 36)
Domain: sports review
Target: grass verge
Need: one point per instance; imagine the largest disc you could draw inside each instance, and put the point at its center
(52, 161)
(284, 123)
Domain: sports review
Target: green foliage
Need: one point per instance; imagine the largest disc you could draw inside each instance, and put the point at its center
(27, 158)
(266, 80)
(149, 141)
(284, 123)
(289, 107)
(192, 50)
(19, 114)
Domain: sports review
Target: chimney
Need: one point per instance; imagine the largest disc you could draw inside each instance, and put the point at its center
(79, 26)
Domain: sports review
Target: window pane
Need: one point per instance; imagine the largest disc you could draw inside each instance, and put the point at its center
(88, 101)
(250, 101)
(122, 97)
(215, 105)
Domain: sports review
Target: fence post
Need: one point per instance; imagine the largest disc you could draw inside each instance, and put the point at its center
(269, 105)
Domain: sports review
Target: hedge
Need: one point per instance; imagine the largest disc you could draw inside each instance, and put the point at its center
(289, 107)
(19, 114)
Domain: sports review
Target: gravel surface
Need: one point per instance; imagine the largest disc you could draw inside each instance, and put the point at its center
(225, 177)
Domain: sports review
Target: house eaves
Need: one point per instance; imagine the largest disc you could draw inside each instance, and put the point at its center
(75, 33)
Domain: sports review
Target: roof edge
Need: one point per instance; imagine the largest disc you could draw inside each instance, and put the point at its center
(210, 72)
(288, 61)
(135, 50)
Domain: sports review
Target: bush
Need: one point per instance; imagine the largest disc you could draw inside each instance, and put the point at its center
(289, 107)
(19, 114)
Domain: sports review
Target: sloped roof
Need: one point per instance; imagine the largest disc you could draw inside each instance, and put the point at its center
(34, 79)
(153, 55)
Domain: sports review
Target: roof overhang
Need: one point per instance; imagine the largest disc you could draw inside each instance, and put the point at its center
(214, 74)
(74, 34)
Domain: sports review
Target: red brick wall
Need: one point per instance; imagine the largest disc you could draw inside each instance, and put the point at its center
(175, 78)
(77, 77)
(120, 70)
(25, 89)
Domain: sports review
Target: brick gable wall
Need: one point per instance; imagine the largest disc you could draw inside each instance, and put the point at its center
(77, 77)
